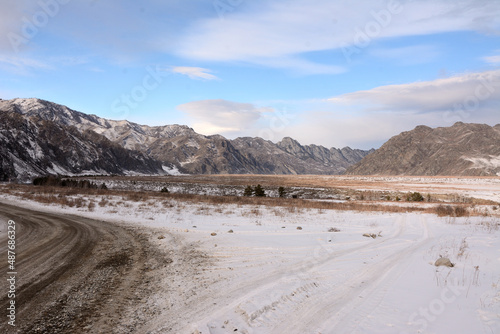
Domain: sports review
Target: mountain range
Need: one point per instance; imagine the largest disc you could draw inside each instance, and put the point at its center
(460, 150)
(39, 137)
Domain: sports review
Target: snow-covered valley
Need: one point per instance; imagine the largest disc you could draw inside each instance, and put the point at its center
(264, 269)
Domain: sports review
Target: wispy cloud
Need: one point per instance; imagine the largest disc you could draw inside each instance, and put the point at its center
(222, 116)
(408, 55)
(194, 72)
(282, 30)
(368, 118)
(22, 65)
(493, 60)
(301, 66)
(429, 96)
(71, 60)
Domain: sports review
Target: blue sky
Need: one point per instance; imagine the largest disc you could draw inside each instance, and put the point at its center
(333, 73)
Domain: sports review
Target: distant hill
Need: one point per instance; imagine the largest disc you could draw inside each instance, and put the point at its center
(39, 137)
(462, 149)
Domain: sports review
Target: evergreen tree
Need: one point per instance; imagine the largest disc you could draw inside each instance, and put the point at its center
(248, 191)
(281, 192)
(259, 192)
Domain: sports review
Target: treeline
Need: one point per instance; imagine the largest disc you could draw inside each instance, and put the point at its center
(56, 181)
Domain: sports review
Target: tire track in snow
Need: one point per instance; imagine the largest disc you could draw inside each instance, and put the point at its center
(272, 299)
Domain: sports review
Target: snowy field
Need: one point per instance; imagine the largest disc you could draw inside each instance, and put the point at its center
(336, 187)
(286, 270)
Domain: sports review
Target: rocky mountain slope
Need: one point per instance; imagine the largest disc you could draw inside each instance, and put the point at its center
(289, 157)
(32, 146)
(180, 148)
(462, 149)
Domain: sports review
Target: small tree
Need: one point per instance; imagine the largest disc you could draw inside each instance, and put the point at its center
(415, 197)
(164, 190)
(248, 191)
(259, 191)
(281, 192)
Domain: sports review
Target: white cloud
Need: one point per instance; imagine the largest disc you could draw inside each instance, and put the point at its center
(493, 60)
(408, 55)
(22, 65)
(366, 119)
(194, 72)
(470, 90)
(361, 119)
(71, 60)
(222, 116)
(301, 66)
(281, 30)
(357, 130)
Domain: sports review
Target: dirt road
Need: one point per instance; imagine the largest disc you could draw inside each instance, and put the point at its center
(77, 275)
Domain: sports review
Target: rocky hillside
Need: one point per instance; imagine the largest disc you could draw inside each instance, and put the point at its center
(32, 146)
(462, 149)
(180, 148)
(289, 157)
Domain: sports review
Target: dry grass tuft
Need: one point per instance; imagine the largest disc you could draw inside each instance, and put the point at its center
(452, 211)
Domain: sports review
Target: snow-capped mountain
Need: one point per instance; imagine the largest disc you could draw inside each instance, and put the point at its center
(176, 147)
(31, 146)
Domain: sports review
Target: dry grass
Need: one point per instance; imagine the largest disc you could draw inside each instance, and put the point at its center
(452, 211)
(65, 196)
(62, 196)
(463, 248)
(376, 188)
(490, 226)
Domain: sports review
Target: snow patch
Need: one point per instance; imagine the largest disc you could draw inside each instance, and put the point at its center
(193, 143)
(171, 170)
(58, 170)
(491, 162)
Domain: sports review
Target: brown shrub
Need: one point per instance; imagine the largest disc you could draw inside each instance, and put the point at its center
(452, 211)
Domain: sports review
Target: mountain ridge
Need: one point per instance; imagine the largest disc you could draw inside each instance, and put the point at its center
(463, 149)
(179, 147)
(33, 146)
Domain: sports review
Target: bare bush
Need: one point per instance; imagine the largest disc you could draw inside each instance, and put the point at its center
(452, 211)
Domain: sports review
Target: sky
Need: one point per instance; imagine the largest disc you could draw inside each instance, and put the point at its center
(327, 72)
